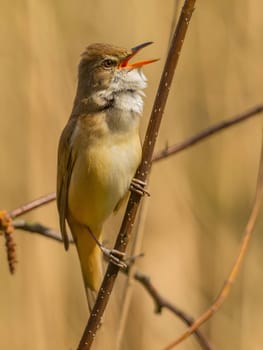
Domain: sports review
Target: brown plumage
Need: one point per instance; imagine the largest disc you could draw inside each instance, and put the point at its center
(99, 149)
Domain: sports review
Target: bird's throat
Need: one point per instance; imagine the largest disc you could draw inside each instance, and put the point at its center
(124, 92)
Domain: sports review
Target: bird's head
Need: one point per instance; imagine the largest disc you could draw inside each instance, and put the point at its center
(108, 68)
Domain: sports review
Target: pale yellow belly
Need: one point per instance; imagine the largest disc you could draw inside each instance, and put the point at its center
(100, 179)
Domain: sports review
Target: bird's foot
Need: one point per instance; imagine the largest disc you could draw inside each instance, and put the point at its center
(138, 186)
(114, 256)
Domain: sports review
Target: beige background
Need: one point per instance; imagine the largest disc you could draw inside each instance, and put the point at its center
(199, 201)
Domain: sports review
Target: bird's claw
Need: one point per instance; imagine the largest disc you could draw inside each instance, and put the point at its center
(138, 186)
(115, 257)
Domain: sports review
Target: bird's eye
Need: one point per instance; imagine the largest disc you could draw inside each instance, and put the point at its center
(108, 63)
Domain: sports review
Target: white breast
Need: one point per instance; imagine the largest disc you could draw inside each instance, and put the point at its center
(125, 90)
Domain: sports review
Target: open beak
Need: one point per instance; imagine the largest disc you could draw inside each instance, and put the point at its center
(125, 63)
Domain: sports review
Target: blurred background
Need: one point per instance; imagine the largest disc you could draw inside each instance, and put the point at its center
(200, 199)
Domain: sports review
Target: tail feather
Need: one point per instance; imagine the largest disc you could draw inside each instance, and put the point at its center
(90, 260)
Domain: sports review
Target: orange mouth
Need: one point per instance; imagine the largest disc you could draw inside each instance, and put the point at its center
(125, 63)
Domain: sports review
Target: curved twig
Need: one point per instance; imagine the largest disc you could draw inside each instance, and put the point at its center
(236, 266)
(161, 302)
(37, 228)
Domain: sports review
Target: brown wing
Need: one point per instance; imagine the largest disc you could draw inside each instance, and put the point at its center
(65, 164)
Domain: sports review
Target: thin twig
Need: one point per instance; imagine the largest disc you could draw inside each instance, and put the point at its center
(161, 302)
(32, 205)
(191, 141)
(37, 228)
(142, 174)
(236, 266)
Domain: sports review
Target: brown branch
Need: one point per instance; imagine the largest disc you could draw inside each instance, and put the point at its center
(236, 266)
(142, 174)
(37, 228)
(191, 141)
(32, 205)
(161, 302)
(135, 251)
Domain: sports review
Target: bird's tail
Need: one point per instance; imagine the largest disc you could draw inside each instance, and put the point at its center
(90, 260)
(91, 265)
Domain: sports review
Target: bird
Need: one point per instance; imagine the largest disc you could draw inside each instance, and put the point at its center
(99, 150)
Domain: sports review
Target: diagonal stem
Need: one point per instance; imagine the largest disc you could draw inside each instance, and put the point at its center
(142, 173)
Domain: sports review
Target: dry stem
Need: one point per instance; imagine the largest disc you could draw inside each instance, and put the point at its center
(161, 303)
(32, 205)
(191, 141)
(142, 174)
(236, 266)
(35, 227)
